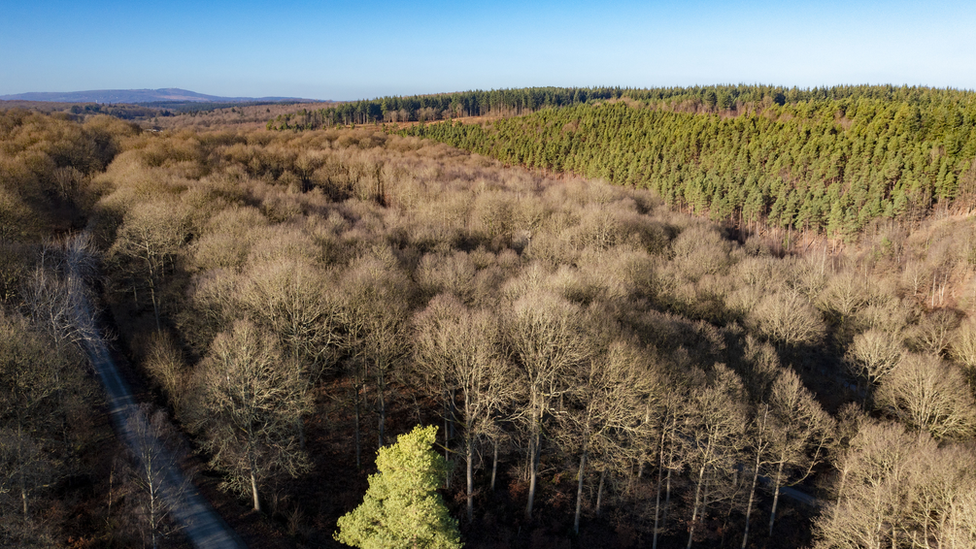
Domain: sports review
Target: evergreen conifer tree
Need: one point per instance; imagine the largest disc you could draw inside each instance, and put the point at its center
(402, 509)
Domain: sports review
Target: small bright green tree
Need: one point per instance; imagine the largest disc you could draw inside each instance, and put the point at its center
(402, 509)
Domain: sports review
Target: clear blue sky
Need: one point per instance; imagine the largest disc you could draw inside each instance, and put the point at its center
(349, 50)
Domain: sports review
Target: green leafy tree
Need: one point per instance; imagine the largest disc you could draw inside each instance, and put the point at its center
(402, 508)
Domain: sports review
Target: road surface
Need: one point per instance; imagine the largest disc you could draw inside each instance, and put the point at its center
(194, 515)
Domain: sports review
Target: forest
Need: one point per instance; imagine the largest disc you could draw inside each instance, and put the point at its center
(833, 165)
(606, 365)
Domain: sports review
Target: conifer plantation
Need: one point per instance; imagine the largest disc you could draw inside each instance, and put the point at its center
(711, 317)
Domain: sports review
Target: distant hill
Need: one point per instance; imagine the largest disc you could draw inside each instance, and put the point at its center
(139, 96)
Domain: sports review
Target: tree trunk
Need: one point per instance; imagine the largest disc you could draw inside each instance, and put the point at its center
(533, 471)
(359, 444)
(667, 482)
(494, 466)
(579, 492)
(667, 497)
(694, 513)
(752, 495)
(447, 439)
(300, 429)
(153, 513)
(534, 442)
(254, 492)
(152, 296)
(23, 467)
(452, 411)
(776, 484)
(657, 498)
(470, 467)
(599, 491)
(111, 488)
(380, 406)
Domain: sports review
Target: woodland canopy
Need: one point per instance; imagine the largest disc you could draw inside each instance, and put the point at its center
(605, 370)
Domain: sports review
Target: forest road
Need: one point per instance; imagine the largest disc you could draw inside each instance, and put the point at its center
(798, 496)
(197, 519)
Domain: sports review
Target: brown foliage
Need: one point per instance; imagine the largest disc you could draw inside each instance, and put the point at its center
(331, 244)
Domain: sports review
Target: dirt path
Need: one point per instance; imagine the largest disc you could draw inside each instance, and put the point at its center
(198, 521)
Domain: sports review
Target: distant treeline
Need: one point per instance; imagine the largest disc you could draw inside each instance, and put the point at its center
(521, 101)
(206, 106)
(140, 111)
(823, 159)
(443, 106)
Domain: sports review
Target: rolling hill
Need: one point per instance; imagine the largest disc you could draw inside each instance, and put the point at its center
(135, 96)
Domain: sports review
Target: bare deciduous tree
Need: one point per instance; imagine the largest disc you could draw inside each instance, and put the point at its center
(609, 400)
(713, 438)
(374, 311)
(963, 345)
(151, 235)
(57, 292)
(166, 365)
(934, 332)
(899, 489)
(252, 397)
(297, 303)
(867, 513)
(291, 297)
(799, 430)
(151, 472)
(546, 338)
(460, 348)
(873, 355)
(789, 319)
(929, 394)
(42, 389)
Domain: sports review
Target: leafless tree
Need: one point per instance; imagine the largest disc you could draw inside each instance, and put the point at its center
(899, 489)
(934, 332)
(788, 318)
(608, 405)
(42, 393)
(150, 236)
(963, 345)
(872, 356)
(670, 418)
(547, 341)
(713, 438)
(25, 466)
(57, 296)
(929, 394)
(943, 483)
(872, 467)
(252, 396)
(797, 430)
(374, 309)
(297, 303)
(460, 349)
(167, 367)
(153, 462)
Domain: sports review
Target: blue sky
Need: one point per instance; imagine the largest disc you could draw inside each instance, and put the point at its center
(349, 50)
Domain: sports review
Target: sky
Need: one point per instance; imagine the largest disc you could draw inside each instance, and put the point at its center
(345, 50)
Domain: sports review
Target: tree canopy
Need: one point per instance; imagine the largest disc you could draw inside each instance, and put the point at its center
(831, 162)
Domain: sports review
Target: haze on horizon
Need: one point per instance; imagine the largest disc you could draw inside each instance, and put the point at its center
(349, 50)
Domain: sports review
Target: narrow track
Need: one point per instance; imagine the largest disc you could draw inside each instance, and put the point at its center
(197, 519)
